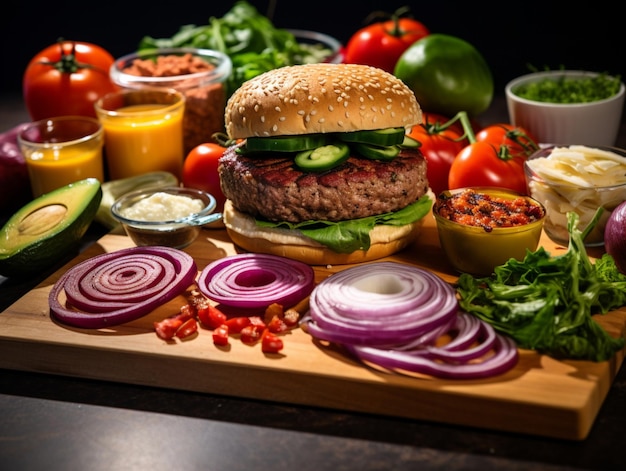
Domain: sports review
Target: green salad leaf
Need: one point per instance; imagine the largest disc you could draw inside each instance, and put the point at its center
(249, 38)
(546, 303)
(348, 236)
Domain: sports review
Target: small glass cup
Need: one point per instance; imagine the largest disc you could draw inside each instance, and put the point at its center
(143, 131)
(62, 150)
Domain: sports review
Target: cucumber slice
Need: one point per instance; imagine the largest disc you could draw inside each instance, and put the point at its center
(323, 158)
(286, 143)
(410, 143)
(376, 137)
(376, 152)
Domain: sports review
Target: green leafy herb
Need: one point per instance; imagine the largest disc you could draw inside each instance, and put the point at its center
(252, 42)
(546, 303)
(566, 89)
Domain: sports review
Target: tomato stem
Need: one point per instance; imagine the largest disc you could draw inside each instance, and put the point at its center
(468, 130)
(68, 64)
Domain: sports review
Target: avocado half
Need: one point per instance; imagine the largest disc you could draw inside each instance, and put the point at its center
(45, 230)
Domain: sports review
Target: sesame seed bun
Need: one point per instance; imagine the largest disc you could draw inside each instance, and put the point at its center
(320, 98)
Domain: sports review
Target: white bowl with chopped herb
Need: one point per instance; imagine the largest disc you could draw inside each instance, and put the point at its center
(567, 106)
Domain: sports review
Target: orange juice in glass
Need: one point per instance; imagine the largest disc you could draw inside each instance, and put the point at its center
(62, 150)
(143, 132)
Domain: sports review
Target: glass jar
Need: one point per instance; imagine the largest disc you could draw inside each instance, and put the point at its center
(199, 74)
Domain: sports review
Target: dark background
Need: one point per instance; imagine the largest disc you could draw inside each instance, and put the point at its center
(511, 35)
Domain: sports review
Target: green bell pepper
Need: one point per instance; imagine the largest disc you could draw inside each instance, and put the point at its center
(447, 75)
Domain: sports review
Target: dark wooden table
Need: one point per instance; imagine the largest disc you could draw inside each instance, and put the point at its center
(56, 422)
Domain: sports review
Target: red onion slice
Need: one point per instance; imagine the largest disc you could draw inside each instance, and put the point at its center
(392, 315)
(256, 280)
(121, 286)
(380, 303)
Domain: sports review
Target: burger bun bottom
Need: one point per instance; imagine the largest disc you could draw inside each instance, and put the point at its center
(243, 231)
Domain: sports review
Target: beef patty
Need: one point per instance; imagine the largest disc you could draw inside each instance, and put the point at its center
(273, 188)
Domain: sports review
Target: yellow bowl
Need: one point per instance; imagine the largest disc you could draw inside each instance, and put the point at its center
(474, 250)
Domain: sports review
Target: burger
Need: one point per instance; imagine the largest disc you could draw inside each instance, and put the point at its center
(321, 169)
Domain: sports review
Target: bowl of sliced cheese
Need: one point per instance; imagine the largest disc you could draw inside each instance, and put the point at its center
(580, 179)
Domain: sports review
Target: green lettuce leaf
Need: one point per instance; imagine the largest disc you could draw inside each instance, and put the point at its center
(348, 236)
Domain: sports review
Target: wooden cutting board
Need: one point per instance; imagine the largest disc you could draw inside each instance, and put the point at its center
(540, 396)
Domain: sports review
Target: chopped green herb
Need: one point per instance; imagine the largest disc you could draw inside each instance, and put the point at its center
(566, 89)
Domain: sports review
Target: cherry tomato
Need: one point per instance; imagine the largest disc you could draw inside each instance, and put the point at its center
(519, 141)
(381, 44)
(200, 171)
(484, 165)
(439, 147)
(67, 78)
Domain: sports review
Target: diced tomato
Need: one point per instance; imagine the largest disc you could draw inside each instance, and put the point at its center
(236, 324)
(257, 321)
(277, 325)
(189, 327)
(252, 333)
(187, 311)
(166, 329)
(270, 343)
(210, 316)
(220, 335)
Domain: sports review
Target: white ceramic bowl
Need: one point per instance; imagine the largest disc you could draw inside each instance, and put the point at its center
(592, 124)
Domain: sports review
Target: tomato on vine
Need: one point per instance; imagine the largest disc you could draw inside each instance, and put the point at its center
(484, 163)
(381, 44)
(519, 141)
(67, 78)
(439, 145)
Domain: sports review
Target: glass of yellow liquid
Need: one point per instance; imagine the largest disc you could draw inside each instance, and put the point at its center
(143, 131)
(62, 150)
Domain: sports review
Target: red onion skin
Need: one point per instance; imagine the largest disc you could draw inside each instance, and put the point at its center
(615, 236)
(102, 307)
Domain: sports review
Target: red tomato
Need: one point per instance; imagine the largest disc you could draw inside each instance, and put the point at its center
(200, 171)
(519, 141)
(381, 44)
(270, 343)
(440, 149)
(433, 119)
(210, 316)
(220, 335)
(483, 164)
(67, 78)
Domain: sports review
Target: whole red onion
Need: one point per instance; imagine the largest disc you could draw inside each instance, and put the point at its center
(615, 236)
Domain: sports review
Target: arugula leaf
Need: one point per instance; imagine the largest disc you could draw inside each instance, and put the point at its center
(546, 303)
(348, 236)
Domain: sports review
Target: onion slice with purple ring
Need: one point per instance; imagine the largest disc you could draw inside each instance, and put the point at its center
(393, 315)
(121, 286)
(253, 280)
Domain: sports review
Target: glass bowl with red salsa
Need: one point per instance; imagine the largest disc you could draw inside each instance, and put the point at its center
(482, 228)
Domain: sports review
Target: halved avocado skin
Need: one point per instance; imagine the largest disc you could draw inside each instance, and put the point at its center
(23, 253)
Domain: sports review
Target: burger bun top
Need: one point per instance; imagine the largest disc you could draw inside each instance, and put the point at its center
(320, 98)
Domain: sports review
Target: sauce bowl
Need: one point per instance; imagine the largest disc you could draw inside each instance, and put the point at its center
(165, 216)
(478, 250)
